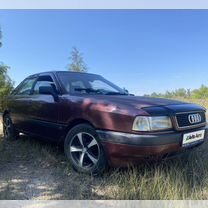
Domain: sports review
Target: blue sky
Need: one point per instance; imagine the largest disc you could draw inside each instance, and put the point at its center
(141, 50)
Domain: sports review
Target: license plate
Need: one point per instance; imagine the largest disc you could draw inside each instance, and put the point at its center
(193, 138)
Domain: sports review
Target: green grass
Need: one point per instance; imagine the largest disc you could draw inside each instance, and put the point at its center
(183, 177)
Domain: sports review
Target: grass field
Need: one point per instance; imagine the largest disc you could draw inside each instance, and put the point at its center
(31, 169)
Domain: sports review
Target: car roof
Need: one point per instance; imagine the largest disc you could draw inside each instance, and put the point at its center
(55, 72)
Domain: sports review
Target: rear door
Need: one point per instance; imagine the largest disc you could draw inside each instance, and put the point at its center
(44, 110)
(19, 104)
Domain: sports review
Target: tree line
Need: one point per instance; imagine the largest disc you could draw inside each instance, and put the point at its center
(200, 93)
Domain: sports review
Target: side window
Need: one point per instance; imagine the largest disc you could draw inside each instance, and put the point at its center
(43, 81)
(26, 87)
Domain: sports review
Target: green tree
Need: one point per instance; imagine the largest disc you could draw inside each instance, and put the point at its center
(6, 85)
(154, 94)
(200, 93)
(77, 62)
(168, 94)
(181, 92)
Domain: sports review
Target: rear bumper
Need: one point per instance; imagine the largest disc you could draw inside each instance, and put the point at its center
(124, 149)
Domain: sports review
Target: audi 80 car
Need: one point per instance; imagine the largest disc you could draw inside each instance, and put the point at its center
(99, 123)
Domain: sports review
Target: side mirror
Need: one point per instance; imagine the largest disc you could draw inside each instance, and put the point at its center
(125, 90)
(48, 90)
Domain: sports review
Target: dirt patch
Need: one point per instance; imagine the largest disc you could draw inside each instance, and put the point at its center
(32, 169)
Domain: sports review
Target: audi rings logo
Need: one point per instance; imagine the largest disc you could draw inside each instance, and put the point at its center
(194, 118)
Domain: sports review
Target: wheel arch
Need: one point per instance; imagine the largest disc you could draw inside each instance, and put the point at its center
(76, 122)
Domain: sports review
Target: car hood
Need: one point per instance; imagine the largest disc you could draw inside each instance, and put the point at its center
(138, 101)
(150, 105)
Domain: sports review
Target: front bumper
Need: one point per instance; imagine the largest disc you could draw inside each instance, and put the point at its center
(124, 149)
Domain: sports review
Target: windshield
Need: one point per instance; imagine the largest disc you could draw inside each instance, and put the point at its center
(81, 83)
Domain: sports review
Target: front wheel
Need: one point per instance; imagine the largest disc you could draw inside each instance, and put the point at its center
(10, 133)
(83, 148)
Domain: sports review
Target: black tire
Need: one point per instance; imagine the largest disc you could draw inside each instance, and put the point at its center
(9, 131)
(91, 151)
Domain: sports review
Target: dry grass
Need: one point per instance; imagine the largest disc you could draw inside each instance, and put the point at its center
(31, 169)
(202, 102)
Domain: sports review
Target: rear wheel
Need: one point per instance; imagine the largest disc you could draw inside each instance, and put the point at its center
(10, 133)
(83, 149)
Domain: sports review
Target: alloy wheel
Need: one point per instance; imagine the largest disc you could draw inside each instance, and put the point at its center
(84, 150)
(7, 127)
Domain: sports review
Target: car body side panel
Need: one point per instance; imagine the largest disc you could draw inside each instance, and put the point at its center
(18, 107)
(101, 115)
(43, 117)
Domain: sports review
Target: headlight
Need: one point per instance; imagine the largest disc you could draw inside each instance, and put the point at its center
(146, 123)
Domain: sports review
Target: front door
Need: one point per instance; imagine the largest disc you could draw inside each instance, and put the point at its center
(44, 111)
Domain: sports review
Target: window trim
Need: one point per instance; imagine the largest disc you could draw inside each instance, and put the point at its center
(16, 90)
(42, 75)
